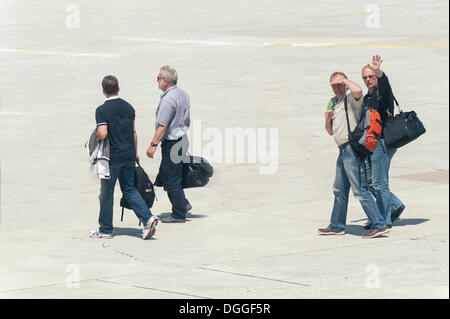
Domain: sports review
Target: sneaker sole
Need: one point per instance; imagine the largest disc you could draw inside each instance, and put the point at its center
(377, 234)
(340, 233)
(152, 229)
(173, 221)
(101, 237)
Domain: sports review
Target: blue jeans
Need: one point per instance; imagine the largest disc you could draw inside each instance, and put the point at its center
(378, 179)
(348, 174)
(125, 173)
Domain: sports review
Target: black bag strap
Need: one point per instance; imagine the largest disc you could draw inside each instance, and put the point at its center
(396, 103)
(346, 115)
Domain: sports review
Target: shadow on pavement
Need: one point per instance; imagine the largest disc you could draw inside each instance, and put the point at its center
(359, 230)
(188, 216)
(133, 232)
(409, 221)
(356, 230)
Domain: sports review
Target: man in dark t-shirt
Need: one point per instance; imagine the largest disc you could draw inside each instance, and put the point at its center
(381, 98)
(115, 121)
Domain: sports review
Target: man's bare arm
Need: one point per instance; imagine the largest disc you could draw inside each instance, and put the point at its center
(354, 88)
(102, 131)
(159, 134)
(135, 141)
(328, 122)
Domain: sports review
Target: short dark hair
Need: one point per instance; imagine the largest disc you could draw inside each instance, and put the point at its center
(110, 84)
(337, 73)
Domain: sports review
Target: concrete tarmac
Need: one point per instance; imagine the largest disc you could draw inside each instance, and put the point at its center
(250, 65)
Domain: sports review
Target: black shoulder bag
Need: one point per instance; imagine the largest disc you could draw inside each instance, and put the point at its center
(402, 128)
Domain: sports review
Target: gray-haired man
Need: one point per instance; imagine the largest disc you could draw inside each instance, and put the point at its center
(348, 171)
(171, 126)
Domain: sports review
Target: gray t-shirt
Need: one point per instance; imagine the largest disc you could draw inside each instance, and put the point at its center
(173, 112)
(340, 131)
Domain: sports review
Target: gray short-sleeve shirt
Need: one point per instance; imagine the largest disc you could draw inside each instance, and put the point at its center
(173, 112)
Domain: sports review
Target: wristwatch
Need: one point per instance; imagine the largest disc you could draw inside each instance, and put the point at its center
(153, 144)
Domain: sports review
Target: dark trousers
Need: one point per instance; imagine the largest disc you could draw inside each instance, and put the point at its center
(170, 174)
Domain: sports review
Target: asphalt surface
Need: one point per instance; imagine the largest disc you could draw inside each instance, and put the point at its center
(253, 230)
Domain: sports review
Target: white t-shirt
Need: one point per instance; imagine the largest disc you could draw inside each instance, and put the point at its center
(340, 131)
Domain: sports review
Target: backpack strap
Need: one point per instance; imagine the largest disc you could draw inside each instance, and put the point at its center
(346, 115)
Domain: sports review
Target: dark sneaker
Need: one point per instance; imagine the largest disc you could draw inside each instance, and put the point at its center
(171, 219)
(376, 232)
(396, 213)
(150, 228)
(368, 226)
(188, 208)
(327, 231)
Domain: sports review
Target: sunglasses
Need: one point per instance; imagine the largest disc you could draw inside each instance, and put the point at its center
(368, 77)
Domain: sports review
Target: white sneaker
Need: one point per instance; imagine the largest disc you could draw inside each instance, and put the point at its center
(97, 234)
(150, 228)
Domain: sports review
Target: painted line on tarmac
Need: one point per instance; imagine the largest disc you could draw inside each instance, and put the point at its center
(290, 44)
(360, 45)
(148, 288)
(200, 42)
(256, 277)
(61, 53)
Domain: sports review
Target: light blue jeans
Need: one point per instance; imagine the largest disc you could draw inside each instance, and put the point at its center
(378, 179)
(348, 174)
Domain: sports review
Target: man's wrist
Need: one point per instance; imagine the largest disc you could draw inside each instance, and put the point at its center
(153, 144)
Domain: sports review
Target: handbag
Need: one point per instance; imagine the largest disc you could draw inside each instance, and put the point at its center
(402, 128)
(196, 172)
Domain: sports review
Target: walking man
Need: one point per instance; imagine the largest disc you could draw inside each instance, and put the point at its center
(115, 121)
(348, 171)
(172, 124)
(381, 98)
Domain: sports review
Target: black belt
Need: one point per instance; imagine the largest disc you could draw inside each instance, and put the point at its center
(341, 147)
(172, 141)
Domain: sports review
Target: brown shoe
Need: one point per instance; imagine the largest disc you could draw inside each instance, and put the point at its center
(376, 232)
(327, 231)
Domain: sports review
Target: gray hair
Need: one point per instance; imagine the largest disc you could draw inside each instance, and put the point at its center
(337, 73)
(170, 74)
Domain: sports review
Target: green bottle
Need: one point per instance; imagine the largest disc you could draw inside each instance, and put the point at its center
(331, 105)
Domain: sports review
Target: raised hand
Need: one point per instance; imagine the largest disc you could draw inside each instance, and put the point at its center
(376, 62)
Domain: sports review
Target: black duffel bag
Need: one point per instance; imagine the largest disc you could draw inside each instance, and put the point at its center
(402, 128)
(196, 172)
